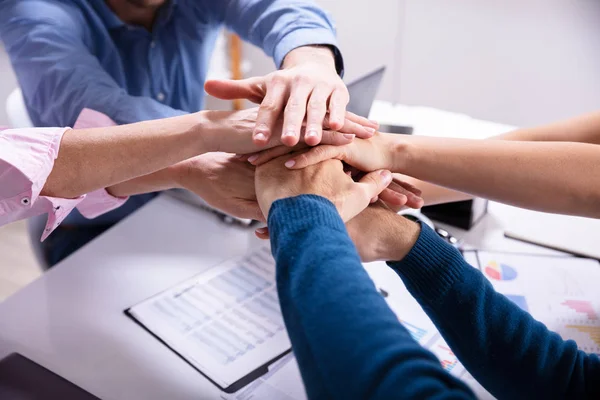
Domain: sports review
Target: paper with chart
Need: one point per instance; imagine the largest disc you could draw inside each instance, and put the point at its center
(561, 292)
(226, 321)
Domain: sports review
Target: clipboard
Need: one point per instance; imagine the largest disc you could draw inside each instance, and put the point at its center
(206, 320)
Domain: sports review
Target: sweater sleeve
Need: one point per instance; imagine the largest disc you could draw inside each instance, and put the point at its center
(348, 342)
(510, 353)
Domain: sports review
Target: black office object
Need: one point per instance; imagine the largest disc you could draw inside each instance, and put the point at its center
(23, 379)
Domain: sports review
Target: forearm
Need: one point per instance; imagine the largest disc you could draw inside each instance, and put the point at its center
(552, 177)
(332, 308)
(91, 159)
(583, 129)
(495, 340)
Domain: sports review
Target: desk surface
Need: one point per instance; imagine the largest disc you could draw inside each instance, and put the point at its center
(71, 319)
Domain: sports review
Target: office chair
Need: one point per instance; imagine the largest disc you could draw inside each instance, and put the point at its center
(18, 117)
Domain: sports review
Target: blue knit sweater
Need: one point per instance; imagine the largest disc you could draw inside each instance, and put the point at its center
(350, 345)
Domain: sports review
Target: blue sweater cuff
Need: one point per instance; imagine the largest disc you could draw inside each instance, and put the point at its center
(431, 268)
(300, 213)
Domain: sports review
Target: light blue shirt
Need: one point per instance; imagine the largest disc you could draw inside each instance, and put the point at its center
(73, 54)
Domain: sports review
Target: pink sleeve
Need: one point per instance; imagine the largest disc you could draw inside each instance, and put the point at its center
(26, 160)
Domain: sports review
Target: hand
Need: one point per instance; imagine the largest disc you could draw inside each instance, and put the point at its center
(327, 179)
(222, 181)
(380, 234)
(306, 86)
(364, 155)
(231, 132)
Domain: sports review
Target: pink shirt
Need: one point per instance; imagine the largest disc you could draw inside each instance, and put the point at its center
(26, 159)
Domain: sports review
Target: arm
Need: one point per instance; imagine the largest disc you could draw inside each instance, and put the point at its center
(57, 72)
(495, 340)
(581, 129)
(300, 37)
(557, 177)
(504, 348)
(91, 159)
(335, 315)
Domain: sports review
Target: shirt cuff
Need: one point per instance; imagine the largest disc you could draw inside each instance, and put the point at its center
(431, 268)
(307, 37)
(98, 203)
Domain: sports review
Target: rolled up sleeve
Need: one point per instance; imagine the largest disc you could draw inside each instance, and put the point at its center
(26, 160)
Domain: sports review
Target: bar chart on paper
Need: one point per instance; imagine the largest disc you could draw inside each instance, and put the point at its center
(446, 356)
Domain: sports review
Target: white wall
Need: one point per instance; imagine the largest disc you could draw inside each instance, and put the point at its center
(515, 61)
(521, 62)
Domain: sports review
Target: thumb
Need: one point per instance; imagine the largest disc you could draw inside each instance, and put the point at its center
(375, 182)
(227, 89)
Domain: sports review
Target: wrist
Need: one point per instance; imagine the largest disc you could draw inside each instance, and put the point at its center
(312, 53)
(203, 131)
(401, 153)
(400, 237)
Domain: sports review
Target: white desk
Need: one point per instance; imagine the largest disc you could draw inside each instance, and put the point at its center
(71, 320)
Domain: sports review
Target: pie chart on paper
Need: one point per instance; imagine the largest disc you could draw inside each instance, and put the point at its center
(500, 272)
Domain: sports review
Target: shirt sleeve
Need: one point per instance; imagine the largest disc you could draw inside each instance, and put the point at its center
(57, 72)
(496, 341)
(348, 342)
(26, 160)
(277, 26)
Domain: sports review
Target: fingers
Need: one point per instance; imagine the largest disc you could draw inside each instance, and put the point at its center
(393, 198)
(268, 155)
(337, 108)
(252, 89)
(295, 111)
(412, 193)
(350, 127)
(362, 120)
(315, 115)
(364, 192)
(315, 156)
(375, 182)
(336, 138)
(262, 233)
(269, 111)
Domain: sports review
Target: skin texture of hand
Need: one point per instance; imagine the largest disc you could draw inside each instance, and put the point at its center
(222, 181)
(380, 234)
(231, 132)
(364, 155)
(327, 179)
(306, 88)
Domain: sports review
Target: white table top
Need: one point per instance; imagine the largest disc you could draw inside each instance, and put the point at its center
(71, 320)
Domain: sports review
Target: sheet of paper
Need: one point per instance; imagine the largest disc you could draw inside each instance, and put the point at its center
(226, 321)
(561, 292)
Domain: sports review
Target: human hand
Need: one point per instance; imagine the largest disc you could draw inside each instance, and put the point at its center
(366, 155)
(380, 234)
(222, 181)
(306, 86)
(231, 132)
(327, 179)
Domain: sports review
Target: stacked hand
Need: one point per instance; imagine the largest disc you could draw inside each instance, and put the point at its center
(307, 88)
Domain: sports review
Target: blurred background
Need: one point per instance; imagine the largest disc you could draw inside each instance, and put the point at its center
(516, 62)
